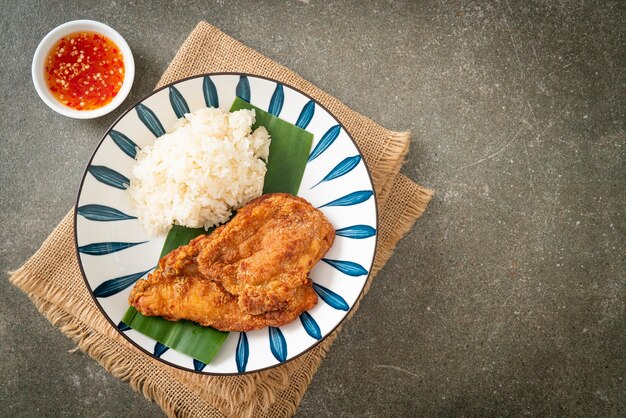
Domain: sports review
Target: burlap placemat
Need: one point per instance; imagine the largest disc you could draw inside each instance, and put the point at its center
(52, 279)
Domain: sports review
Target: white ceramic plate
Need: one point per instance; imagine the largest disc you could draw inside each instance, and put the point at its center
(114, 251)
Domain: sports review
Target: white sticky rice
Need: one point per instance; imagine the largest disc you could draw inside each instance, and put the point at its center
(209, 165)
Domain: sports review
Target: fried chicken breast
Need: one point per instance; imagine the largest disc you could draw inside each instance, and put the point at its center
(248, 274)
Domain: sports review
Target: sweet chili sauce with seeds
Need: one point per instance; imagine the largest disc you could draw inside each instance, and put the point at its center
(85, 70)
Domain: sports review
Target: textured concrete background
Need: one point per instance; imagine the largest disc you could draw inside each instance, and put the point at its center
(507, 298)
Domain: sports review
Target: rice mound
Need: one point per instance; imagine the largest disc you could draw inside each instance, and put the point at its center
(209, 165)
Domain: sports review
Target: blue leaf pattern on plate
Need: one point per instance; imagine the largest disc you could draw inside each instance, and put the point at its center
(179, 105)
(103, 248)
(356, 231)
(278, 345)
(198, 365)
(159, 349)
(347, 267)
(147, 116)
(327, 140)
(306, 115)
(343, 168)
(123, 327)
(310, 326)
(114, 286)
(331, 298)
(242, 353)
(102, 213)
(243, 88)
(339, 167)
(126, 144)
(276, 103)
(210, 92)
(353, 198)
(109, 177)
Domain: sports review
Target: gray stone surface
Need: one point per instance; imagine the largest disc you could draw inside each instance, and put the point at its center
(507, 298)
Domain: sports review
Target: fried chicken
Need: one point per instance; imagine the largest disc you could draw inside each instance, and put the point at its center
(248, 274)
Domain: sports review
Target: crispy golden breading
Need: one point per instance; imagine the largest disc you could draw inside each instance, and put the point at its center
(248, 274)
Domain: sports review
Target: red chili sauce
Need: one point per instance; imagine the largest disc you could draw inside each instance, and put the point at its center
(85, 70)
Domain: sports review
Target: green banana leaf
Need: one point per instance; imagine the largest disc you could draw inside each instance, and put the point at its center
(289, 150)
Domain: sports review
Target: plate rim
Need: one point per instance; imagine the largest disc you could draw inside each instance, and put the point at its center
(80, 188)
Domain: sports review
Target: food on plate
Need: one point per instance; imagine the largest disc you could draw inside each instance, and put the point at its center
(211, 164)
(248, 274)
(84, 70)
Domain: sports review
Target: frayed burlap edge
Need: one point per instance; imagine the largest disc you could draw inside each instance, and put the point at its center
(276, 392)
(287, 403)
(114, 358)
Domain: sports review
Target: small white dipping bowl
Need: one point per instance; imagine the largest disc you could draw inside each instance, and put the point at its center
(46, 44)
